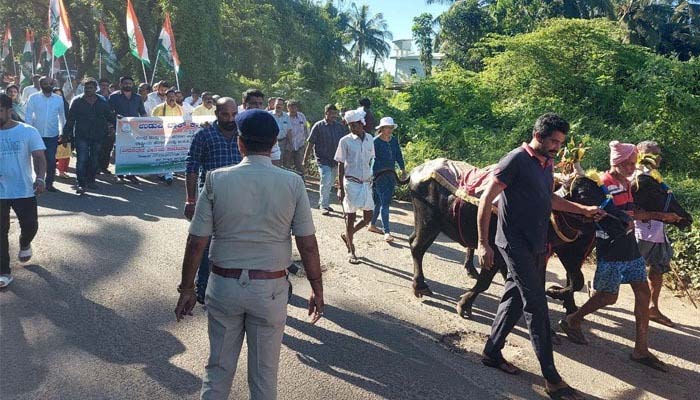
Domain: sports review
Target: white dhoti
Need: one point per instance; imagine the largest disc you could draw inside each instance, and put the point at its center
(358, 196)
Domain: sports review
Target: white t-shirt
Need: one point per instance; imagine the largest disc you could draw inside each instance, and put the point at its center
(16, 147)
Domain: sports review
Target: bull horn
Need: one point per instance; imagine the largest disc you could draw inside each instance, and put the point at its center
(579, 170)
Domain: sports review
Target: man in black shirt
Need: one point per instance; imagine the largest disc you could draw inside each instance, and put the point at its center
(126, 103)
(523, 179)
(87, 123)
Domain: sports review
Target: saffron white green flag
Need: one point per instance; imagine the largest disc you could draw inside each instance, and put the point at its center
(28, 58)
(6, 43)
(60, 28)
(136, 41)
(108, 56)
(166, 44)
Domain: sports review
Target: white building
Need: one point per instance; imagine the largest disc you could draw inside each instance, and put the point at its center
(407, 61)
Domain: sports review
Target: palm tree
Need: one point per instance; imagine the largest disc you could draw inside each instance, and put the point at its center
(367, 34)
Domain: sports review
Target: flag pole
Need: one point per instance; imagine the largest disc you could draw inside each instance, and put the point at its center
(70, 81)
(155, 67)
(52, 64)
(144, 71)
(99, 74)
(14, 64)
(177, 80)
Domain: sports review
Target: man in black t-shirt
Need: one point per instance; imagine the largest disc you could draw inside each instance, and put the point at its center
(523, 179)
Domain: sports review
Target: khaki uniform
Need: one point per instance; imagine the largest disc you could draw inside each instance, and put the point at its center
(249, 210)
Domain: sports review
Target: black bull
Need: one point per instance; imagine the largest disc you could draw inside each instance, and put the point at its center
(432, 203)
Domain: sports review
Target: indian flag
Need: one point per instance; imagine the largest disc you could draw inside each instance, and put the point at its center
(106, 49)
(60, 28)
(136, 41)
(28, 58)
(166, 44)
(6, 43)
(44, 60)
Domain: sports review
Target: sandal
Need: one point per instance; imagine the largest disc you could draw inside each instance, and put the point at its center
(651, 362)
(353, 259)
(574, 335)
(563, 393)
(5, 280)
(500, 364)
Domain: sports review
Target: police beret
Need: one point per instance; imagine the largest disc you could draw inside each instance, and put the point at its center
(257, 125)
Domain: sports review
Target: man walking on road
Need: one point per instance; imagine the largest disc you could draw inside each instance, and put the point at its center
(126, 103)
(323, 142)
(249, 211)
(293, 156)
(46, 113)
(524, 179)
(20, 146)
(89, 119)
(283, 123)
(214, 146)
(30, 90)
(354, 156)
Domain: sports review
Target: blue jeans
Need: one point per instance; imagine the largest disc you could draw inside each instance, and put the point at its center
(88, 152)
(203, 273)
(328, 176)
(51, 144)
(382, 193)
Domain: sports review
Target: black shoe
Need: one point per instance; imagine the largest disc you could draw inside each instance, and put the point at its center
(169, 181)
(51, 189)
(106, 171)
(92, 186)
(289, 293)
(293, 269)
(132, 179)
(80, 190)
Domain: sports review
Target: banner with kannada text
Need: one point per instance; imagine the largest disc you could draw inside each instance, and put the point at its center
(154, 145)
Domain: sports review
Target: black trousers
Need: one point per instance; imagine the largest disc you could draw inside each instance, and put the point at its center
(524, 295)
(105, 153)
(26, 212)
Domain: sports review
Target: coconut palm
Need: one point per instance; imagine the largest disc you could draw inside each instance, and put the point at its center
(367, 34)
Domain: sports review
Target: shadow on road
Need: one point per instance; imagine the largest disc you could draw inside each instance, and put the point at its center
(397, 360)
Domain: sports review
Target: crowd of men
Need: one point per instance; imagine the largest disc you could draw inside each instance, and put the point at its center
(244, 210)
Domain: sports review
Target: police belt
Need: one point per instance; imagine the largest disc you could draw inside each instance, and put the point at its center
(235, 273)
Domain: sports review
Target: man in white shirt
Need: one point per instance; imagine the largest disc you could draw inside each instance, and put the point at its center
(46, 113)
(354, 156)
(194, 99)
(30, 90)
(293, 157)
(157, 96)
(20, 144)
(285, 130)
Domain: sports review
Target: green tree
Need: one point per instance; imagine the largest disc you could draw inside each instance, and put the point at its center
(423, 35)
(462, 26)
(367, 34)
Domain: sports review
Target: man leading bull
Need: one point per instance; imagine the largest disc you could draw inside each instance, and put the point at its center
(524, 181)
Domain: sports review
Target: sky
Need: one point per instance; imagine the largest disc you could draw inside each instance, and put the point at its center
(399, 16)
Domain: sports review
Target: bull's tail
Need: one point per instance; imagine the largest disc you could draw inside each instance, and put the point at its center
(392, 172)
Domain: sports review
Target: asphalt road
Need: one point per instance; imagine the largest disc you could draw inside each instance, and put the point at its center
(91, 317)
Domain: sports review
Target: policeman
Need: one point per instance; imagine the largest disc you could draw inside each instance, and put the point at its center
(249, 210)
